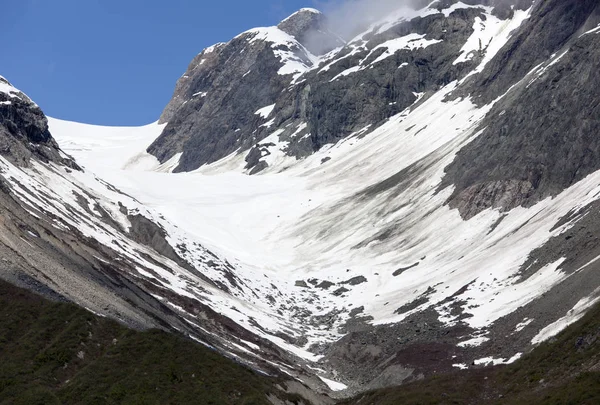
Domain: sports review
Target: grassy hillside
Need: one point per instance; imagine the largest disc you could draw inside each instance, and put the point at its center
(565, 370)
(54, 353)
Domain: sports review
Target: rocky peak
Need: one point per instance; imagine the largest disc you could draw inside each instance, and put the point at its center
(302, 21)
(24, 130)
(309, 27)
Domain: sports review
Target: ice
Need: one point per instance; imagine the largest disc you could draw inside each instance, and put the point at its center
(98, 148)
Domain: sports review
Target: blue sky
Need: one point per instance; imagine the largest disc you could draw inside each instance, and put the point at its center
(115, 62)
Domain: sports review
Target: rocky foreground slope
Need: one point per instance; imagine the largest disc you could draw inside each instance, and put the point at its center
(418, 199)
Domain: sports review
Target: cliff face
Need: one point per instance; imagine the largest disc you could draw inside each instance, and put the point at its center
(221, 103)
(541, 138)
(235, 95)
(280, 79)
(24, 130)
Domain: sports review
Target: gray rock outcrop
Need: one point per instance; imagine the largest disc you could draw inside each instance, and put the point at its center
(543, 136)
(24, 131)
(213, 111)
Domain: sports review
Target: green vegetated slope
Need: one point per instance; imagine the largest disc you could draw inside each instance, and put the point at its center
(565, 370)
(54, 353)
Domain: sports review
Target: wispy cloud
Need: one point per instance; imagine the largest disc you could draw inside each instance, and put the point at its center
(348, 17)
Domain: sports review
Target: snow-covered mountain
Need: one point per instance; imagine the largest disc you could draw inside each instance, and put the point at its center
(419, 198)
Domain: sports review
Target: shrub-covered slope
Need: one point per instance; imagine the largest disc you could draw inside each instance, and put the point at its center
(55, 353)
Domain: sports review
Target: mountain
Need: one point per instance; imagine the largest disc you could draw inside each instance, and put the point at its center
(353, 213)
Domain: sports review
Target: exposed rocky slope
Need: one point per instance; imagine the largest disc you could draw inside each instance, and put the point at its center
(563, 370)
(548, 123)
(351, 90)
(423, 196)
(213, 112)
(24, 130)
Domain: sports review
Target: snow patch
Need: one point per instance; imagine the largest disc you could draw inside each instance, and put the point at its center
(592, 31)
(409, 42)
(333, 385)
(572, 316)
(265, 111)
(474, 342)
(486, 361)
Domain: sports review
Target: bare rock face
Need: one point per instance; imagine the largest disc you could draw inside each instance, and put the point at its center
(543, 136)
(203, 62)
(213, 112)
(24, 130)
(309, 27)
(494, 194)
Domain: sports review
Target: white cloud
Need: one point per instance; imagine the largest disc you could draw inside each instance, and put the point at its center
(348, 17)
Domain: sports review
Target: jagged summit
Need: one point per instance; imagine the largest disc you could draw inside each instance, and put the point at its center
(302, 21)
(24, 131)
(309, 27)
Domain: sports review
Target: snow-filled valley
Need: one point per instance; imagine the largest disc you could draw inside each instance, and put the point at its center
(325, 223)
(355, 243)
